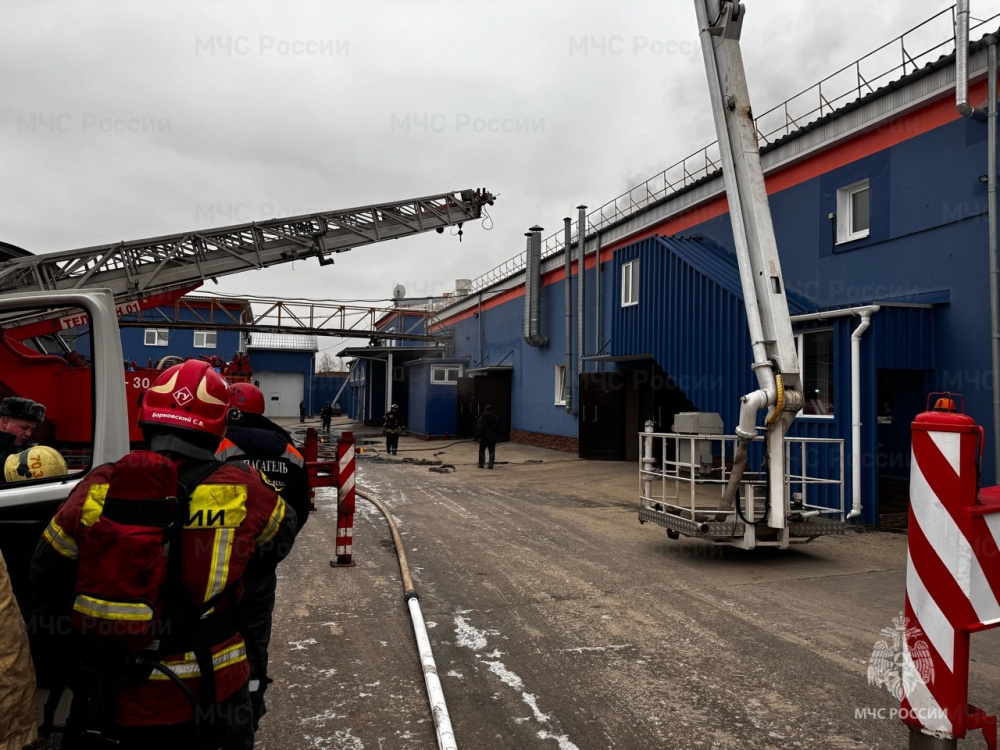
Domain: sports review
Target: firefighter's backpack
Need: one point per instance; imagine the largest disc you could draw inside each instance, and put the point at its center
(126, 563)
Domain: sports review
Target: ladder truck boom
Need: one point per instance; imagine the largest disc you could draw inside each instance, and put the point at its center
(136, 270)
(688, 486)
(775, 364)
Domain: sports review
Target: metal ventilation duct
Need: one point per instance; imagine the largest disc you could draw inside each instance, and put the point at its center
(533, 289)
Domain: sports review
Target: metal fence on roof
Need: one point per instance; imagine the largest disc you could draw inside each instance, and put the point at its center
(901, 56)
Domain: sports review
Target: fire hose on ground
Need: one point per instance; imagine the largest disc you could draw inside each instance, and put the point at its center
(435, 694)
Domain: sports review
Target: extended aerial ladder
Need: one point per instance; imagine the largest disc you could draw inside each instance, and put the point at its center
(775, 359)
(176, 263)
(155, 272)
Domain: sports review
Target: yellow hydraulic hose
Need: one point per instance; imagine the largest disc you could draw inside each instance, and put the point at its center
(779, 404)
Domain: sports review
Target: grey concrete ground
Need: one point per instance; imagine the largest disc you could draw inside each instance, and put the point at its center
(559, 622)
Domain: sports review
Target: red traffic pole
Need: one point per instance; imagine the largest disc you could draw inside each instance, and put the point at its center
(345, 501)
(310, 452)
(952, 577)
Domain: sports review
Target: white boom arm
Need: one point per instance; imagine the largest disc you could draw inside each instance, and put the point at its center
(775, 362)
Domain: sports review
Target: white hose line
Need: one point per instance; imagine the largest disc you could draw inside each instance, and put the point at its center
(435, 694)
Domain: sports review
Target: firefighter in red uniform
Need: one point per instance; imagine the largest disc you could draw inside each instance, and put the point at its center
(254, 438)
(183, 418)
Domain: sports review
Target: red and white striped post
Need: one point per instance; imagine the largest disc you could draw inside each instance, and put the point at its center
(345, 501)
(952, 577)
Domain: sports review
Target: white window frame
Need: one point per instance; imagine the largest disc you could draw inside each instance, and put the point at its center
(445, 371)
(630, 283)
(205, 338)
(161, 337)
(560, 385)
(800, 350)
(845, 212)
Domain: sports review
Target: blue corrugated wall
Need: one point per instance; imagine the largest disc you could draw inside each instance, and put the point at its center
(927, 244)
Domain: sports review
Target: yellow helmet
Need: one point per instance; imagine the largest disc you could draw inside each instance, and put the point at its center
(37, 462)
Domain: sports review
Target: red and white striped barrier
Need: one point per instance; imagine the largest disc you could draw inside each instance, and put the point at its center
(345, 500)
(952, 577)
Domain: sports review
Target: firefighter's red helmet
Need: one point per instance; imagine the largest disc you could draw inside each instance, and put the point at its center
(188, 396)
(248, 398)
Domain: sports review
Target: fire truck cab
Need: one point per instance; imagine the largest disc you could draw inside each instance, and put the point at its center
(86, 410)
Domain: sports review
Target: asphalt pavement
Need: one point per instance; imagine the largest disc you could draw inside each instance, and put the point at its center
(558, 621)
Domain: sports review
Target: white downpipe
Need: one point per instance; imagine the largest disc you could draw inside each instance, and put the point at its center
(435, 695)
(865, 313)
(866, 319)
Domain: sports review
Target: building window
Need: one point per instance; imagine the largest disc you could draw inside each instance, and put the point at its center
(560, 385)
(853, 214)
(445, 374)
(204, 339)
(816, 360)
(630, 283)
(156, 337)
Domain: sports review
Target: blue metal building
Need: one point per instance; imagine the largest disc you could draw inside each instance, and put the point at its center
(879, 210)
(147, 344)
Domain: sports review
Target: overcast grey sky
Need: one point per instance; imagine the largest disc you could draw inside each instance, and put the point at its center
(127, 119)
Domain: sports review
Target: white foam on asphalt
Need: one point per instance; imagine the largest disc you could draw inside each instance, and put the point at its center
(301, 645)
(468, 636)
(475, 639)
(600, 649)
(506, 676)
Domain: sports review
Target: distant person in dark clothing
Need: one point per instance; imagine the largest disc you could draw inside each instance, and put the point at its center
(392, 425)
(326, 414)
(302, 411)
(487, 433)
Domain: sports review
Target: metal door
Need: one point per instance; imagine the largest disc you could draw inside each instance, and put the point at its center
(602, 416)
(465, 424)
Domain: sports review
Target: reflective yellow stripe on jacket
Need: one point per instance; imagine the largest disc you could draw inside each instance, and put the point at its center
(221, 508)
(188, 666)
(273, 523)
(60, 541)
(134, 611)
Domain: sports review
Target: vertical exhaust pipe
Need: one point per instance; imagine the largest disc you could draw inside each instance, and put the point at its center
(581, 296)
(568, 367)
(962, 63)
(597, 297)
(532, 289)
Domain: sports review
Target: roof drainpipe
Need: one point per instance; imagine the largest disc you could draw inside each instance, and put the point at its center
(962, 103)
(962, 63)
(866, 319)
(568, 375)
(532, 288)
(581, 321)
(994, 262)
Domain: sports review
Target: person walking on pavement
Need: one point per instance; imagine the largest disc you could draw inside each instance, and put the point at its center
(253, 438)
(392, 425)
(487, 433)
(326, 414)
(302, 411)
(207, 521)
